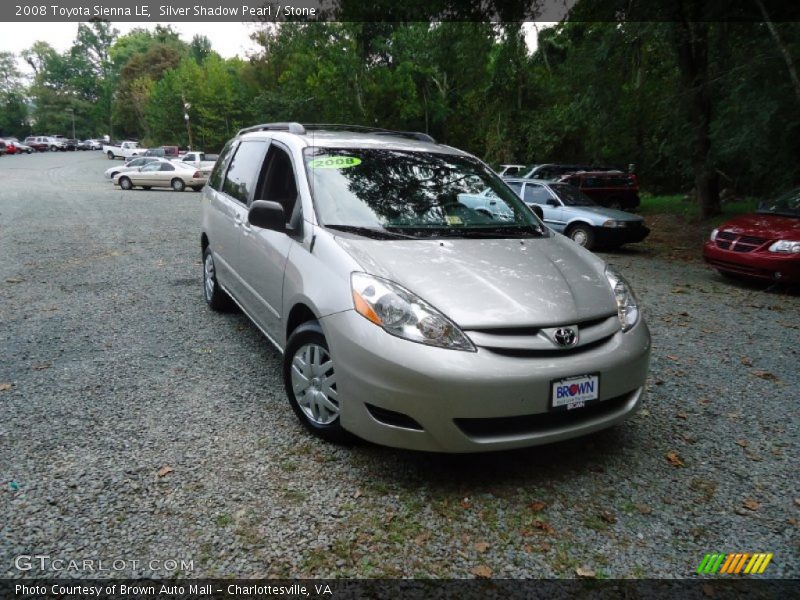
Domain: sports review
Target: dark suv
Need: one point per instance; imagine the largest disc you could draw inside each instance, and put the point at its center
(613, 189)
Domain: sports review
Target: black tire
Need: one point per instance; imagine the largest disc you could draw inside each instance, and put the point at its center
(53, 148)
(215, 296)
(146, 187)
(582, 235)
(310, 335)
(125, 183)
(177, 185)
(110, 155)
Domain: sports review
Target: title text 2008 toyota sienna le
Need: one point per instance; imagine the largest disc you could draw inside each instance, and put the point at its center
(405, 317)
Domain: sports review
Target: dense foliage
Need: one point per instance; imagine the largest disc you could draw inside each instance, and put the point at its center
(707, 105)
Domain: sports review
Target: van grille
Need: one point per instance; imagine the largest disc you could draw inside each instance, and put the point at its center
(727, 240)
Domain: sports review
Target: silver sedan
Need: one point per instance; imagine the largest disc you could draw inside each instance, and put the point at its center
(163, 173)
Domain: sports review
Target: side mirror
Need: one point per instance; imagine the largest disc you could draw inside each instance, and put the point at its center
(552, 202)
(267, 215)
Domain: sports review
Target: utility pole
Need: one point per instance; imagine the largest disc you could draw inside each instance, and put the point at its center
(72, 111)
(186, 107)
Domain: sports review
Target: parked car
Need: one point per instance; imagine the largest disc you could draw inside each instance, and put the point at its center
(62, 143)
(9, 145)
(162, 173)
(764, 245)
(553, 171)
(201, 160)
(405, 317)
(19, 147)
(567, 210)
(43, 143)
(84, 145)
(125, 150)
(511, 170)
(131, 165)
(70, 144)
(163, 152)
(94, 144)
(613, 189)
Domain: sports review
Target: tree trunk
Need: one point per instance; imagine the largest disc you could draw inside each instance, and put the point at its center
(691, 41)
(787, 56)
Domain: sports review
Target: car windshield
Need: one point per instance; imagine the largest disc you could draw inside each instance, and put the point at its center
(387, 194)
(571, 196)
(787, 205)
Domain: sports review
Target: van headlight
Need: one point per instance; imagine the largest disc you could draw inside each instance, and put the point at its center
(405, 315)
(627, 307)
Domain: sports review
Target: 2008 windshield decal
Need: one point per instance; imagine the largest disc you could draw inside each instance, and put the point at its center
(335, 162)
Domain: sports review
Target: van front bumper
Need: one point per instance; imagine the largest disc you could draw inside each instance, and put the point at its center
(403, 394)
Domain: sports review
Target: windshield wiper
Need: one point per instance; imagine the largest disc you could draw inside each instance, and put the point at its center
(371, 232)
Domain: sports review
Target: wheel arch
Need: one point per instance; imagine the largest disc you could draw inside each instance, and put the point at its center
(300, 313)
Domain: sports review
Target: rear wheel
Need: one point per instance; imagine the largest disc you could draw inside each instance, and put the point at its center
(146, 187)
(310, 380)
(178, 185)
(125, 183)
(110, 155)
(582, 235)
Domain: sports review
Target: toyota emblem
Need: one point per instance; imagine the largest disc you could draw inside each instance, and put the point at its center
(565, 336)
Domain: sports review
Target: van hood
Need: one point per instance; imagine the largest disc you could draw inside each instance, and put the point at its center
(494, 283)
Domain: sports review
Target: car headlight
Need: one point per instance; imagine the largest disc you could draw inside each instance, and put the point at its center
(786, 247)
(713, 235)
(627, 307)
(612, 223)
(404, 314)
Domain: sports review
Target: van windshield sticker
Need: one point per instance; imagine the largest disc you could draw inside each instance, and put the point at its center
(335, 162)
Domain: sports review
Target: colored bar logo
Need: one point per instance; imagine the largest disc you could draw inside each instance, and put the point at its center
(734, 564)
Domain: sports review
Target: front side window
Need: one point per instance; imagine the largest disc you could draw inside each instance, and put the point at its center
(536, 194)
(396, 193)
(151, 167)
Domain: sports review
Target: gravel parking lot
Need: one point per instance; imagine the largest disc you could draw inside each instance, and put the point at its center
(135, 424)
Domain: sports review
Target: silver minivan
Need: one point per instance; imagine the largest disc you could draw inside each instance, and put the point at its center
(404, 316)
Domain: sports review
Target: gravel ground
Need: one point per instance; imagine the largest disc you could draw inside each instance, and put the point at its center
(138, 425)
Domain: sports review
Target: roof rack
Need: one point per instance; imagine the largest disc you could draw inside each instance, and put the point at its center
(302, 129)
(290, 127)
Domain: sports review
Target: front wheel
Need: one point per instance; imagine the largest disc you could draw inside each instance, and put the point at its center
(582, 235)
(53, 148)
(310, 380)
(178, 185)
(215, 296)
(125, 183)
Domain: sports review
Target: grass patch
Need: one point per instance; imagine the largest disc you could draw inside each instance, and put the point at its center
(224, 520)
(676, 205)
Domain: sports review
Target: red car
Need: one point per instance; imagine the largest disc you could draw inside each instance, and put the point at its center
(764, 245)
(612, 189)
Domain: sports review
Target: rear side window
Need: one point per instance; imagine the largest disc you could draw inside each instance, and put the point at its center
(167, 167)
(243, 170)
(215, 181)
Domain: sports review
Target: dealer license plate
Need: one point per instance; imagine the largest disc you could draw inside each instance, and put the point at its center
(574, 392)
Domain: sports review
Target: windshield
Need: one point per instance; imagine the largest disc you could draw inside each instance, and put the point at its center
(571, 196)
(400, 194)
(787, 205)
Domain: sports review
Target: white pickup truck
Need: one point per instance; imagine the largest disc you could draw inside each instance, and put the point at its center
(125, 150)
(200, 160)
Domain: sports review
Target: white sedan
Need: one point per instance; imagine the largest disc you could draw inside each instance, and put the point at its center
(163, 173)
(131, 165)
